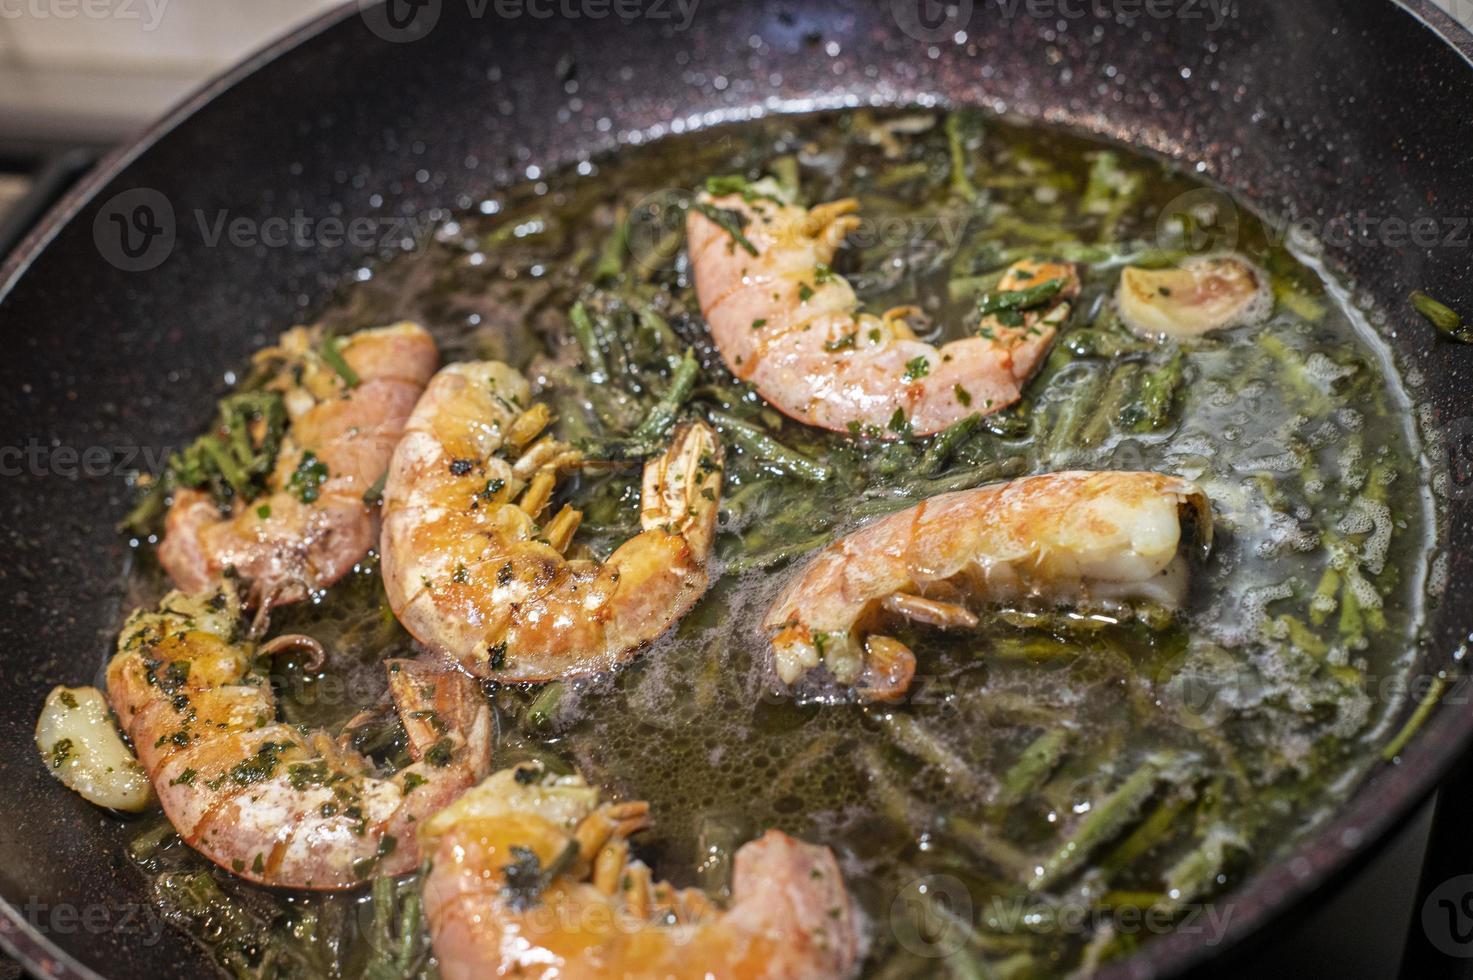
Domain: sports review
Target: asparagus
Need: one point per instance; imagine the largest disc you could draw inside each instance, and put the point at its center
(662, 415)
(991, 848)
(961, 183)
(916, 739)
(1100, 825)
(583, 332)
(1033, 766)
(611, 258)
(1152, 831)
(1111, 406)
(1150, 410)
(1444, 318)
(947, 442)
(768, 449)
(544, 708)
(1418, 718)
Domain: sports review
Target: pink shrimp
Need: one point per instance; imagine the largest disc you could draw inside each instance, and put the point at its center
(788, 324)
(1058, 538)
(343, 423)
(262, 798)
(531, 877)
(473, 569)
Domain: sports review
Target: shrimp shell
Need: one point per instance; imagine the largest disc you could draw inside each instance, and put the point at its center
(288, 548)
(474, 570)
(263, 799)
(1059, 538)
(786, 323)
(590, 913)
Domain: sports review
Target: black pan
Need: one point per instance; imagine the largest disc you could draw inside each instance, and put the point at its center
(1317, 110)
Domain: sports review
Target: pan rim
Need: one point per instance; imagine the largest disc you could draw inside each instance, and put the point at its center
(1403, 785)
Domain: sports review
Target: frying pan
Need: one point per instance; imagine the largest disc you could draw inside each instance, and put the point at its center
(1309, 110)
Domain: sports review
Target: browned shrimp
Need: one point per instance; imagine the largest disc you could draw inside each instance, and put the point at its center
(531, 877)
(785, 322)
(475, 571)
(261, 798)
(313, 524)
(1059, 538)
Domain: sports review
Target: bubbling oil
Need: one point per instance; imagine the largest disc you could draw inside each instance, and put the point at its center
(1254, 707)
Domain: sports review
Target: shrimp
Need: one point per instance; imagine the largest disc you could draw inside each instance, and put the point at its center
(262, 798)
(1199, 296)
(315, 521)
(1059, 538)
(475, 572)
(531, 877)
(786, 323)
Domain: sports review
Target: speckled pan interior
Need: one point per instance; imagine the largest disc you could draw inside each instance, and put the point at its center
(1311, 109)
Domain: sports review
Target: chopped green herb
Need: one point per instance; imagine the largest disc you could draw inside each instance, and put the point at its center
(61, 751)
(729, 222)
(374, 495)
(917, 368)
(307, 479)
(332, 356)
(440, 754)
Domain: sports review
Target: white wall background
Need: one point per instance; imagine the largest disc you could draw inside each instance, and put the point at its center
(106, 67)
(102, 67)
